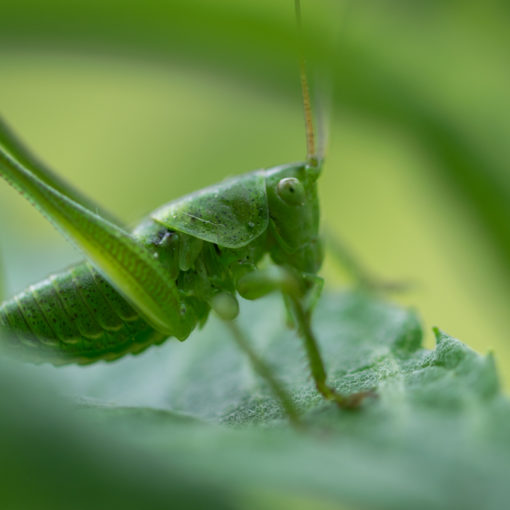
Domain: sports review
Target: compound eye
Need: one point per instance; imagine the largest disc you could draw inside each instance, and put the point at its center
(291, 191)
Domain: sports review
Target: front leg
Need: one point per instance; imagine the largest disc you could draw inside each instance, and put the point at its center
(314, 285)
(276, 278)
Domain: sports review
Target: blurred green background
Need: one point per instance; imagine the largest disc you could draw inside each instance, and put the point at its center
(137, 103)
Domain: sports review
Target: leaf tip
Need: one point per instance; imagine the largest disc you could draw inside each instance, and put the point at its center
(439, 334)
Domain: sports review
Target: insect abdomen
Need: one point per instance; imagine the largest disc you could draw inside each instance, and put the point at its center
(74, 317)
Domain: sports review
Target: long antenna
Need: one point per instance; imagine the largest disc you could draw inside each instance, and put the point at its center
(311, 154)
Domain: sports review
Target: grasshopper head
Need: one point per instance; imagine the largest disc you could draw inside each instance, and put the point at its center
(294, 216)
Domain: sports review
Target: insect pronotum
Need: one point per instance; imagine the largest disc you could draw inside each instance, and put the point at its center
(161, 280)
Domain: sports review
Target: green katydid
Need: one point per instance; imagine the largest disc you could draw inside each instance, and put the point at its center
(161, 280)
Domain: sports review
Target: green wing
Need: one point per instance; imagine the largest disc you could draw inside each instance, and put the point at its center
(230, 214)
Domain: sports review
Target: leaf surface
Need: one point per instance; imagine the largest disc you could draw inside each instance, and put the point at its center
(437, 436)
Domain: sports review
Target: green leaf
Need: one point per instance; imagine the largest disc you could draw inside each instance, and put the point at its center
(210, 434)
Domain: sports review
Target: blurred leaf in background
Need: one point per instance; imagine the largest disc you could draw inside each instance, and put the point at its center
(50, 460)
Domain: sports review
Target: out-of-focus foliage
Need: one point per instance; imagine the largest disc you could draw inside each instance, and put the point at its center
(437, 436)
(50, 460)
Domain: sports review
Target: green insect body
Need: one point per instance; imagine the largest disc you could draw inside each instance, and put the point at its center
(207, 243)
(161, 280)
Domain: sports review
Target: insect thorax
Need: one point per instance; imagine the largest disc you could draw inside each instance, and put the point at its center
(200, 269)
